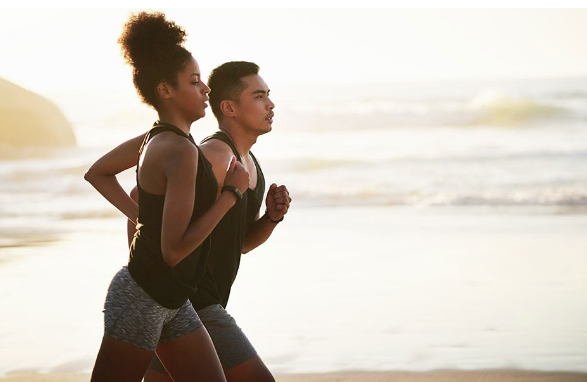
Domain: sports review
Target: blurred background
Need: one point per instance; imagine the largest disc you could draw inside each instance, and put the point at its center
(437, 159)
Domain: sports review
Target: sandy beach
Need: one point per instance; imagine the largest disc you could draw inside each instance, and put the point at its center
(433, 376)
(460, 300)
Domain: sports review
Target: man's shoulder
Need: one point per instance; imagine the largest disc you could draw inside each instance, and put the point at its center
(216, 151)
(216, 146)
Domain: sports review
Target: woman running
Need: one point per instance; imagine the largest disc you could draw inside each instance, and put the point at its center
(147, 307)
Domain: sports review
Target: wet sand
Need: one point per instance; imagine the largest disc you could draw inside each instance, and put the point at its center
(433, 376)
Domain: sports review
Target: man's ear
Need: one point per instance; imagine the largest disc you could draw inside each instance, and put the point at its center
(228, 108)
(163, 90)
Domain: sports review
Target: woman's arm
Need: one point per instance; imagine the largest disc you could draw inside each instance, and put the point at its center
(102, 175)
(131, 228)
(179, 236)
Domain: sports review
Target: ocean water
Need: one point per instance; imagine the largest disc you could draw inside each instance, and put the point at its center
(480, 143)
(433, 225)
(486, 143)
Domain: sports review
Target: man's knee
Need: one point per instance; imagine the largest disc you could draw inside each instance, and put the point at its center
(252, 370)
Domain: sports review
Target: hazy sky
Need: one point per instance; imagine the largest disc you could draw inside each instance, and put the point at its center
(61, 50)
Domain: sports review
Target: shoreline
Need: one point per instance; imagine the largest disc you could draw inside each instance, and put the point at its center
(366, 376)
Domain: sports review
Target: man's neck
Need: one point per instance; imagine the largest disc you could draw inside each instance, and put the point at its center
(241, 140)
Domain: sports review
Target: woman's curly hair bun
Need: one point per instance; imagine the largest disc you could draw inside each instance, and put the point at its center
(148, 35)
(153, 46)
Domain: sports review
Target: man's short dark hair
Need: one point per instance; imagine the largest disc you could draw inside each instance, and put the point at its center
(226, 83)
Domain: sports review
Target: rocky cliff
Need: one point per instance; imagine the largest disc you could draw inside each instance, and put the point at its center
(30, 120)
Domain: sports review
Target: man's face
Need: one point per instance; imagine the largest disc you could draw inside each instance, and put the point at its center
(255, 109)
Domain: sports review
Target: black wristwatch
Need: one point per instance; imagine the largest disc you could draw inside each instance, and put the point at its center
(234, 190)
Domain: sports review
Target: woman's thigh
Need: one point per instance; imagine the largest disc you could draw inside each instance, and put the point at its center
(191, 357)
(119, 361)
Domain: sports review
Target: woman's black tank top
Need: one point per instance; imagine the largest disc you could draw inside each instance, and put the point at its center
(227, 240)
(169, 286)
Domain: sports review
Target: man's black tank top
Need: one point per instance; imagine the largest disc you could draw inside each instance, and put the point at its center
(227, 240)
(169, 286)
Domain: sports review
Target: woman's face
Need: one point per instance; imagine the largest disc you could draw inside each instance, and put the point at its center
(191, 93)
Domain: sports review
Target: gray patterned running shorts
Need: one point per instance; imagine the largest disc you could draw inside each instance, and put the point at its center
(232, 346)
(132, 316)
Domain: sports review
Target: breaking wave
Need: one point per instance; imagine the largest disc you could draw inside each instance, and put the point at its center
(488, 108)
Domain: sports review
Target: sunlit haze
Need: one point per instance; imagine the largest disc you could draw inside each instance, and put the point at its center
(57, 50)
(436, 158)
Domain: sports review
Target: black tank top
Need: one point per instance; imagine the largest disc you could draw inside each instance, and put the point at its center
(169, 286)
(227, 240)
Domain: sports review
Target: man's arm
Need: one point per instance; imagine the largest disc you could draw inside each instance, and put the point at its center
(218, 154)
(277, 202)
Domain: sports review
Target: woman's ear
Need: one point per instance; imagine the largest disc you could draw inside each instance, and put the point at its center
(163, 90)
